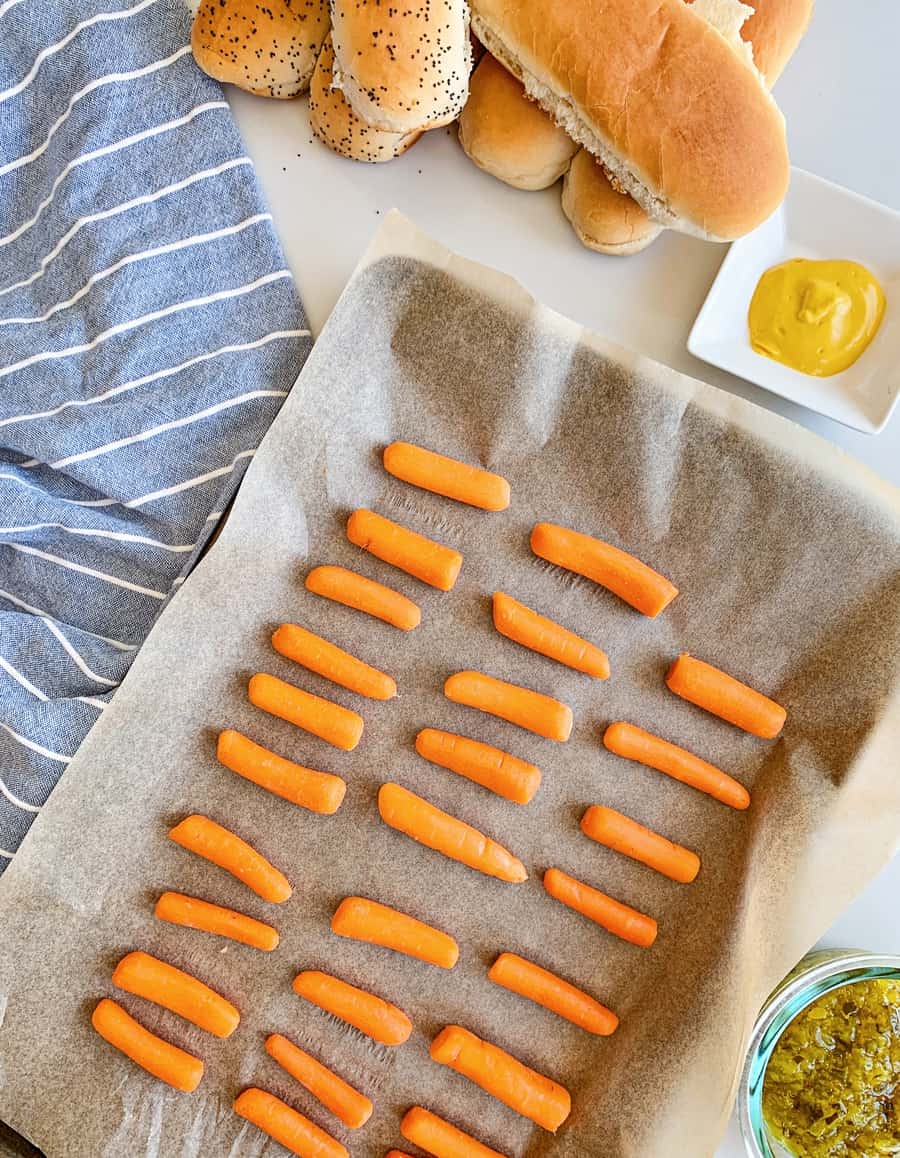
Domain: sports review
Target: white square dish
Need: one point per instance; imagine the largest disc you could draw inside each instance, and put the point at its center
(817, 220)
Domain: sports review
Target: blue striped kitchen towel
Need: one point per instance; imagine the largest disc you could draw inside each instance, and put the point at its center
(149, 331)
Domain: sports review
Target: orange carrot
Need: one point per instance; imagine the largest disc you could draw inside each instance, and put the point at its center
(296, 1133)
(173, 989)
(545, 988)
(192, 913)
(332, 663)
(422, 558)
(435, 1136)
(706, 686)
(329, 721)
(397, 1154)
(531, 710)
(524, 1090)
(635, 744)
(618, 919)
(364, 595)
(522, 625)
(167, 1062)
(622, 834)
(617, 571)
(365, 920)
(353, 1108)
(318, 791)
(497, 771)
(369, 1014)
(204, 837)
(446, 476)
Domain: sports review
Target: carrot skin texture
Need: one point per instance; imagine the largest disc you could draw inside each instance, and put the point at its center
(349, 1105)
(618, 919)
(365, 920)
(319, 792)
(421, 821)
(332, 723)
(371, 1015)
(517, 705)
(365, 595)
(446, 476)
(332, 663)
(522, 625)
(200, 835)
(192, 913)
(624, 835)
(296, 1133)
(173, 989)
(423, 558)
(435, 1136)
(635, 744)
(714, 690)
(498, 771)
(545, 988)
(645, 589)
(529, 1093)
(165, 1061)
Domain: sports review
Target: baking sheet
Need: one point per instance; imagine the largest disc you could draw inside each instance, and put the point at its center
(787, 554)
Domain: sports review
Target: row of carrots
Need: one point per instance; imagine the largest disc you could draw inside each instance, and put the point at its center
(530, 1093)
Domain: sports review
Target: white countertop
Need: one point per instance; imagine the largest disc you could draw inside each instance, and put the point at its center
(840, 95)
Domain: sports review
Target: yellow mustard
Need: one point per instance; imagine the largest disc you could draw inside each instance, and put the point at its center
(815, 316)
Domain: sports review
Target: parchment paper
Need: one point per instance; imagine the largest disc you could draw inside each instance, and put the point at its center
(787, 554)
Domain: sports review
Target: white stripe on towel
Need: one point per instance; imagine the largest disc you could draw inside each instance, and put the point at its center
(4, 8)
(45, 616)
(26, 743)
(89, 532)
(70, 566)
(21, 679)
(192, 482)
(98, 704)
(74, 656)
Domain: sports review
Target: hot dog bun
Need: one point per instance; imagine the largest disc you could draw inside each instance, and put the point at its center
(604, 219)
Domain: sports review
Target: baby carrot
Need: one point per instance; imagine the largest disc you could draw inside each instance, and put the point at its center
(369, 1014)
(618, 919)
(329, 721)
(173, 989)
(332, 663)
(444, 833)
(446, 476)
(353, 1108)
(318, 791)
(365, 920)
(523, 1089)
(522, 625)
(364, 595)
(165, 1061)
(214, 843)
(296, 1133)
(422, 558)
(545, 988)
(706, 686)
(192, 913)
(617, 571)
(521, 706)
(635, 744)
(622, 834)
(435, 1136)
(497, 771)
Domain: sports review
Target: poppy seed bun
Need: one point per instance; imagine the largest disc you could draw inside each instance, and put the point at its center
(338, 126)
(775, 29)
(663, 100)
(402, 68)
(509, 136)
(266, 48)
(604, 219)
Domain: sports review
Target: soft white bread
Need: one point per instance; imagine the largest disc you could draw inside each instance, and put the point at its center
(508, 135)
(659, 96)
(402, 68)
(338, 126)
(775, 29)
(604, 219)
(268, 48)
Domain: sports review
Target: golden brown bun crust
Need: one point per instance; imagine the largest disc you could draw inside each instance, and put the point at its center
(403, 67)
(660, 96)
(508, 135)
(775, 29)
(603, 218)
(268, 47)
(338, 126)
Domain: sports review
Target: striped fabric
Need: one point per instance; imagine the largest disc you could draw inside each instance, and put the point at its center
(149, 331)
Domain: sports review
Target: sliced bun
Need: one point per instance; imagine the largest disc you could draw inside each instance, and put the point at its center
(775, 29)
(659, 96)
(508, 135)
(604, 219)
(402, 69)
(269, 49)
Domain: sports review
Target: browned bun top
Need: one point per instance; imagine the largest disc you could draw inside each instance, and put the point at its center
(775, 29)
(604, 218)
